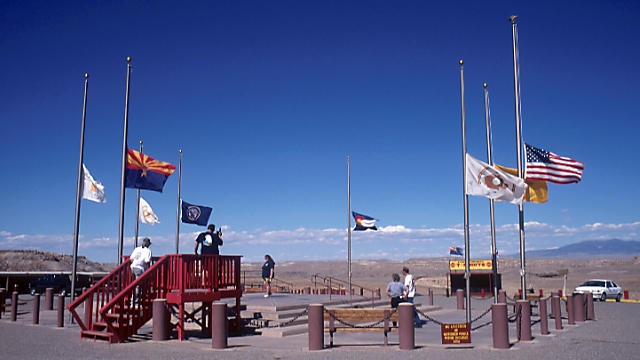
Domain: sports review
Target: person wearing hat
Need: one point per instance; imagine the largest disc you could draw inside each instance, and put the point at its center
(141, 258)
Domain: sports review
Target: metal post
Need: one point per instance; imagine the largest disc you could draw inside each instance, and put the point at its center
(467, 271)
(570, 312)
(36, 309)
(48, 299)
(556, 311)
(76, 228)
(349, 222)
(500, 326)
(544, 319)
(124, 163)
(219, 329)
(316, 326)
(160, 320)
(60, 311)
(406, 331)
(460, 299)
(523, 320)
(590, 311)
(179, 205)
(135, 237)
(14, 306)
(502, 296)
(494, 264)
(523, 282)
(431, 297)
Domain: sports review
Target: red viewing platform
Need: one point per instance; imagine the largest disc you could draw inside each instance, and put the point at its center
(120, 312)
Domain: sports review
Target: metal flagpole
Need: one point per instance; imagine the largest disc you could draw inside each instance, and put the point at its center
(523, 272)
(124, 162)
(349, 223)
(467, 272)
(178, 211)
(76, 228)
(494, 264)
(135, 245)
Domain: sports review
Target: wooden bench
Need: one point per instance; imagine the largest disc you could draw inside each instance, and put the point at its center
(360, 317)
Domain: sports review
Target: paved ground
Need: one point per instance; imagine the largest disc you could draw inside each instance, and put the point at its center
(615, 334)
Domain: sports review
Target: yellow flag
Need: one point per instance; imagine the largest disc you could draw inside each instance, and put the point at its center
(536, 192)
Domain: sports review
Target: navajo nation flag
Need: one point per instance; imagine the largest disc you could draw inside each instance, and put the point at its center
(547, 166)
(144, 172)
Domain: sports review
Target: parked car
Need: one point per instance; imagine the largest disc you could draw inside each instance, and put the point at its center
(601, 289)
(60, 284)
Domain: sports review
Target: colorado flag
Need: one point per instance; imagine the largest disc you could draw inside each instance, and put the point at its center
(364, 222)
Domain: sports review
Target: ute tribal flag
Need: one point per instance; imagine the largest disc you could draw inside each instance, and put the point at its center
(147, 216)
(454, 250)
(144, 172)
(364, 222)
(485, 180)
(91, 189)
(547, 166)
(537, 191)
(195, 214)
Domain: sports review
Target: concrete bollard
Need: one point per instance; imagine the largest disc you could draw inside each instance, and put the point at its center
(626, 294)
(430, 297)
(406, 331)
(60, 311)
(590, 311)
(556, 310)
(500, 326)
(571, 315)
(219, 331)
(316, 326)
(88, 311)
(523, 320)
(160, 320)
(48, 299)
(460, 299)
(36, 309)
(14, 306)
(578, 307)
(544, 319)
(502, 296)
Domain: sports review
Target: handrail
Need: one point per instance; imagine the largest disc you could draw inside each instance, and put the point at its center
(257, 275)
(96, 288)
(326, 278)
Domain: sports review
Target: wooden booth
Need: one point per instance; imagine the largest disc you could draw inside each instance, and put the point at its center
(481, 277)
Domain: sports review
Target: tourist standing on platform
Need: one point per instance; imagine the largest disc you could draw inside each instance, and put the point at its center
(210, 241)
(410, 292)
(395, 290)
(141, 258)
(268, 272)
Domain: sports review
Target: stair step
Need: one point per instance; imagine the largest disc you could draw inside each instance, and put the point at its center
(284, 331)
(98, 335)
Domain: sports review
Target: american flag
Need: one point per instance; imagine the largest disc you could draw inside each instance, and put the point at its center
(547, 166)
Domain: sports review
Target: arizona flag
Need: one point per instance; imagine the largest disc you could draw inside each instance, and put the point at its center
(364, 222)
(144, 172)
(454, 250)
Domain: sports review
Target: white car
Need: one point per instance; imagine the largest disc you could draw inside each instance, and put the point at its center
(601, 289)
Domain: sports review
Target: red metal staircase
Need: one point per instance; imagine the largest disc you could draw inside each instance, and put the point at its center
(179, 279)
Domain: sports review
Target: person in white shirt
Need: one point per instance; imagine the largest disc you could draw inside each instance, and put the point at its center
(141, 258)
(410, 292)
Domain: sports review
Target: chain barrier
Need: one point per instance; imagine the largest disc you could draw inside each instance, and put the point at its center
(428, 317)
(361, 326)
(481, 315)
(289, 322)
(515, 316)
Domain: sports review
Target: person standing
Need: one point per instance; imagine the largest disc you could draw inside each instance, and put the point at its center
(395, 290)
(410, 292)
(141, 258)
(267, 273)
(210, 240)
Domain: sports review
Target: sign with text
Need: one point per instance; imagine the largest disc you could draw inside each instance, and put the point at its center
(456, 333)
(473, 265)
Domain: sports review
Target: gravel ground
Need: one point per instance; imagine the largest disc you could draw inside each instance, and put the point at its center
(614, 335)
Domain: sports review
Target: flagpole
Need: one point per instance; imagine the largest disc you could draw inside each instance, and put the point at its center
(135, 245)
(124, 162)
(467, 272)
(494, 264)
(523, 281)
(76, 228)
(178, 208)
(349, 223)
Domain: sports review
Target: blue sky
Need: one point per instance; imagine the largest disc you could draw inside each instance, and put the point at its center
(266, 99)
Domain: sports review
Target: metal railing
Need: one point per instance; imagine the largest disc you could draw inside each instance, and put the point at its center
(330, 281)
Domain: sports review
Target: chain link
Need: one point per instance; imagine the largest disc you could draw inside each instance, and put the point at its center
(481, 315)
(343, 322)
(289, 322)
(429, 317)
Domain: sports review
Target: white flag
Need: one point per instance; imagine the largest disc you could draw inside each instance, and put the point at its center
(91, 189)
(147, 216)
(486, 180)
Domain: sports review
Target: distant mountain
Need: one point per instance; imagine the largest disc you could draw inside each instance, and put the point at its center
(588, 249)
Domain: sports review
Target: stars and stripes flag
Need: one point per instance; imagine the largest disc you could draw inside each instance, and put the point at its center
(547, 166)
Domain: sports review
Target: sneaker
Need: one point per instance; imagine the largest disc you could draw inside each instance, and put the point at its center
(266, 295)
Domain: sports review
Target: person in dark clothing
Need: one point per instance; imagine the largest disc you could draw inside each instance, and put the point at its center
(210, 240)
(268, 273)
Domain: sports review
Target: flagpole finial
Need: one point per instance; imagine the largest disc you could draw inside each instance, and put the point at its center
(140, 142)
(128, 58)
(180, 151)
(513, 18)
(484, 85)
(461, 62)
(86, 76)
